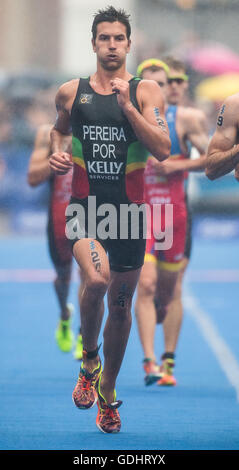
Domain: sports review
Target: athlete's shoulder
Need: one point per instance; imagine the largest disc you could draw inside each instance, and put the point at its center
(232, 100)
(149, 92)
(231, 107)
(149, 85)
(68, 88)
(229, 112)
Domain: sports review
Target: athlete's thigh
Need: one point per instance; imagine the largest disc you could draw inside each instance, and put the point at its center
(92, 259)
(122, 287)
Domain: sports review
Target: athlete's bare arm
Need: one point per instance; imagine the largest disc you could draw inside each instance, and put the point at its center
(39, 169)
(60, 160)
(150, 125)
(194, 130)
(223, 151)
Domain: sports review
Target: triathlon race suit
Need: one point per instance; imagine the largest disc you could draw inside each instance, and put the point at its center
(60, 250)
(165, 190)
(109, 164)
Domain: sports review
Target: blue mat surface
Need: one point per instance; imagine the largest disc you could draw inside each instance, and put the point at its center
(36, 409)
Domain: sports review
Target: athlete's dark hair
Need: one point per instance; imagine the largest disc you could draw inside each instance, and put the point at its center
(174, 63)
(111, 15)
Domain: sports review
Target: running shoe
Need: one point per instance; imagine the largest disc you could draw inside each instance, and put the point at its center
(166, 371)
(108, 418)
(64, 335)
(84, 395)
(78, 353)
(152, 371)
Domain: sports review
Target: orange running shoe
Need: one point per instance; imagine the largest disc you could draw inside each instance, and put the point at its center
(152, 371)
(84, 395)
(166, 371)
(108, 418)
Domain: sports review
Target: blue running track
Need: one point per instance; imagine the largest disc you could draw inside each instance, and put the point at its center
(36, 408)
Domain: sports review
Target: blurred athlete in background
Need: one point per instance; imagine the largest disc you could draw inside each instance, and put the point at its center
(159, 296)
(223, 151)
(59, 249)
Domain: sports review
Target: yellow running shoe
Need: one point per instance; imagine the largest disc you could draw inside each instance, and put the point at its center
(64, 335)
(78, 353)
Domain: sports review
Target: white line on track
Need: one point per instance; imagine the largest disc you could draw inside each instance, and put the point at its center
(210, 332)
(31, 275)
(47, 275)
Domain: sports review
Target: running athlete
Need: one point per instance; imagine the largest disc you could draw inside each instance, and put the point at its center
(59, 249)
(223, 150)
(160, 284)
(112, 116)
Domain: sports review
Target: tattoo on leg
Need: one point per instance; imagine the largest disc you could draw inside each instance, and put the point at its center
(95, 256)
(122, 295)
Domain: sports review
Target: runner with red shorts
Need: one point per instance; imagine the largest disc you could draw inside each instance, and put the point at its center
(160, 284)
(59, 248)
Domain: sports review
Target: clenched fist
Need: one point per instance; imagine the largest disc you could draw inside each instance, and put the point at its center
(121, 87)
(60, 162)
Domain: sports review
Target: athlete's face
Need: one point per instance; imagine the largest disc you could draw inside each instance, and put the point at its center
(111, 45)
(159, 76)
(176, 87)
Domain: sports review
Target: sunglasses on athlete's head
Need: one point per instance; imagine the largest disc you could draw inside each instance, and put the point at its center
(179, 80)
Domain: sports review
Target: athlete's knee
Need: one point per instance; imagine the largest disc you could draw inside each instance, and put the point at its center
(96, 285)
(121, 313)
(120, 305)
(146, 286)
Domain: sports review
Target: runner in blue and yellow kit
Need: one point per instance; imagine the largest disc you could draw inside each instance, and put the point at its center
(160, 285)
(111, 116)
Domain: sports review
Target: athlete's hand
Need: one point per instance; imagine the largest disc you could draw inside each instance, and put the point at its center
(60, 162)
(164, 168)
(121, 87)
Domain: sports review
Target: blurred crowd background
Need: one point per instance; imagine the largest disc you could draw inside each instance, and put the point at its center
(46, 43)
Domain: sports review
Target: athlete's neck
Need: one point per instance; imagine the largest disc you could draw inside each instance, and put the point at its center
(100, 81)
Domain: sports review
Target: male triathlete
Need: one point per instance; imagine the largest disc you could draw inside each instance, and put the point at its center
(160, 285)
(112, 117)
(59, 249)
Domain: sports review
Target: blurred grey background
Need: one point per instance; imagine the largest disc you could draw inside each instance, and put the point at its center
(45, 43)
